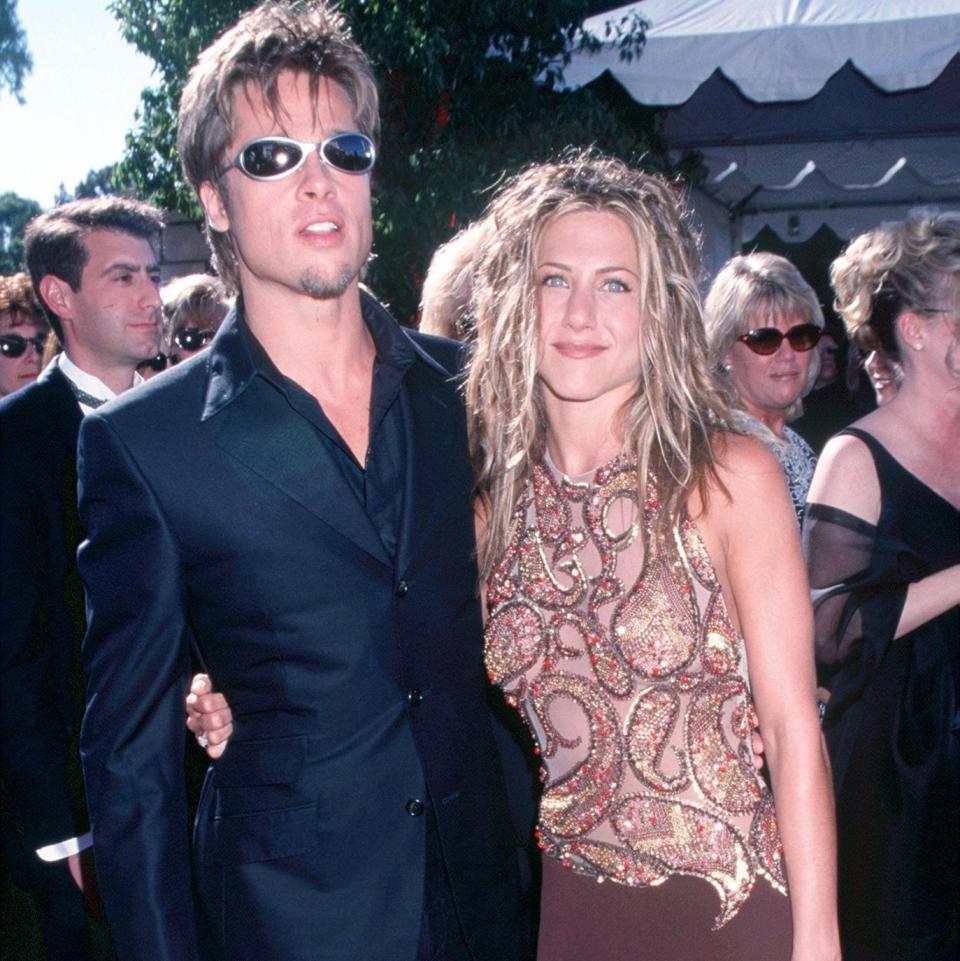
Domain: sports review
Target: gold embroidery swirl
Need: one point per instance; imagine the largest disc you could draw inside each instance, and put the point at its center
(632, 678)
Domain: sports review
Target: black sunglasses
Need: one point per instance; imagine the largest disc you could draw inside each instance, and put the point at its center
(767, 340)
(15, 345)
(270, 158)
(192, 338)
(159, 362)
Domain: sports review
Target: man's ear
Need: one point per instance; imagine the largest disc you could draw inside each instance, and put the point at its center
(57, 295)
(214, 207)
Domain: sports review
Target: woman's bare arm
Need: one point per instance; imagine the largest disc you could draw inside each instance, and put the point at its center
(753, 540)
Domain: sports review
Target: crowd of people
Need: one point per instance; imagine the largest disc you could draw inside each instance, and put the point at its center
(553, 639)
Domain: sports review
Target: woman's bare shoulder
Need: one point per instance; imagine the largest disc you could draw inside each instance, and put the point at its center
(746, 475)
(743, 460)
(845, 476)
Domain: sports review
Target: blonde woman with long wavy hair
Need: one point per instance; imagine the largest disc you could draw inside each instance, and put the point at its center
(645, 587)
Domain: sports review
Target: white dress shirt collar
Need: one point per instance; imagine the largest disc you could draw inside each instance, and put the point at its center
(87, 382)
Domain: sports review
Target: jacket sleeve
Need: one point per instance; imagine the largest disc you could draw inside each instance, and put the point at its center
(35, 652)
(136, 654)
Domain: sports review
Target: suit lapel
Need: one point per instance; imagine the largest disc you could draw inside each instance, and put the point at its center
(65, 409)
(258, 430)
(434, 442)
(62, 413)
(253, 422)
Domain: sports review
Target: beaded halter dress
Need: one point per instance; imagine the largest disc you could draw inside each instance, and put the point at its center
(630, 674)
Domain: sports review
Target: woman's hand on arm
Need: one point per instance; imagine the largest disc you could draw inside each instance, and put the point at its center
(208, 716)
(764, 580)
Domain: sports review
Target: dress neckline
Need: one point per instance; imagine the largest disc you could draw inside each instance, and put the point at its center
(873, 445)
(585, 477)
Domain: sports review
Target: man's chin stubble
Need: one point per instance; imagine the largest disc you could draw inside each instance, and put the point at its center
(324, 288)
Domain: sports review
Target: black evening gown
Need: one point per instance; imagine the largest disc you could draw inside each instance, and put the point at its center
(892, 723)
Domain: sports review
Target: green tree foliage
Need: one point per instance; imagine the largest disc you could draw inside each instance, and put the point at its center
(99, 183)
(105, 182)
(15, 214)
(15, 59)
(172, 33)
(470, 89)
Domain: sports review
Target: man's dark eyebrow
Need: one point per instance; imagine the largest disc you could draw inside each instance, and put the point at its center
(122, 267)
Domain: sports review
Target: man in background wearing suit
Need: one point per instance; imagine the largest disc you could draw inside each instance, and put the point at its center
(291, 508)
(93, 267)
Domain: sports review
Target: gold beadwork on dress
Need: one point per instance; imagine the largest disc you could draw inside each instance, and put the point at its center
(631, 676)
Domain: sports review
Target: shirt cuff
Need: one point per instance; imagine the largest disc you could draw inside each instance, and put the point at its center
(57, 852)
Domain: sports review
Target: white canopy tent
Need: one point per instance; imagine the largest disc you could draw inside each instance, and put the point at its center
(806, 112)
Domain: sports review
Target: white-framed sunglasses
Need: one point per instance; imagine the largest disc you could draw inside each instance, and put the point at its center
(270, 158)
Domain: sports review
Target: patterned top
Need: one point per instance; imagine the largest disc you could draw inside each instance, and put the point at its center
(634, 683)
(798, 460)
(795, 456)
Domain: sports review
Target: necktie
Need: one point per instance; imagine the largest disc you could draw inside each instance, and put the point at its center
(88, 400)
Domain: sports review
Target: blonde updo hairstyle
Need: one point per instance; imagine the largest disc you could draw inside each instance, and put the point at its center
(913, 265)
(668, 421)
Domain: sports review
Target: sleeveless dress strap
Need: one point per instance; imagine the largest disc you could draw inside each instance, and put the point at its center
(874, 446)
(894, 478)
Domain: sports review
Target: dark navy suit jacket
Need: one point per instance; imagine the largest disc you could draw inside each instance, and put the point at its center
(41, 609)
(41, 627)
(218, 524)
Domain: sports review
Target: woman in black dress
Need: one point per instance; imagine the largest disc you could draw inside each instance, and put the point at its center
(882, 538)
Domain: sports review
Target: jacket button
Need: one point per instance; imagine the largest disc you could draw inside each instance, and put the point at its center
(415, 697)
(401, 589)
(414, 807)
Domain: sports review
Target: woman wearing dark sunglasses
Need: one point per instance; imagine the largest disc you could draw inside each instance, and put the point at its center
(23, 333)
(763, 321)
(194, 307)
(882, 539)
